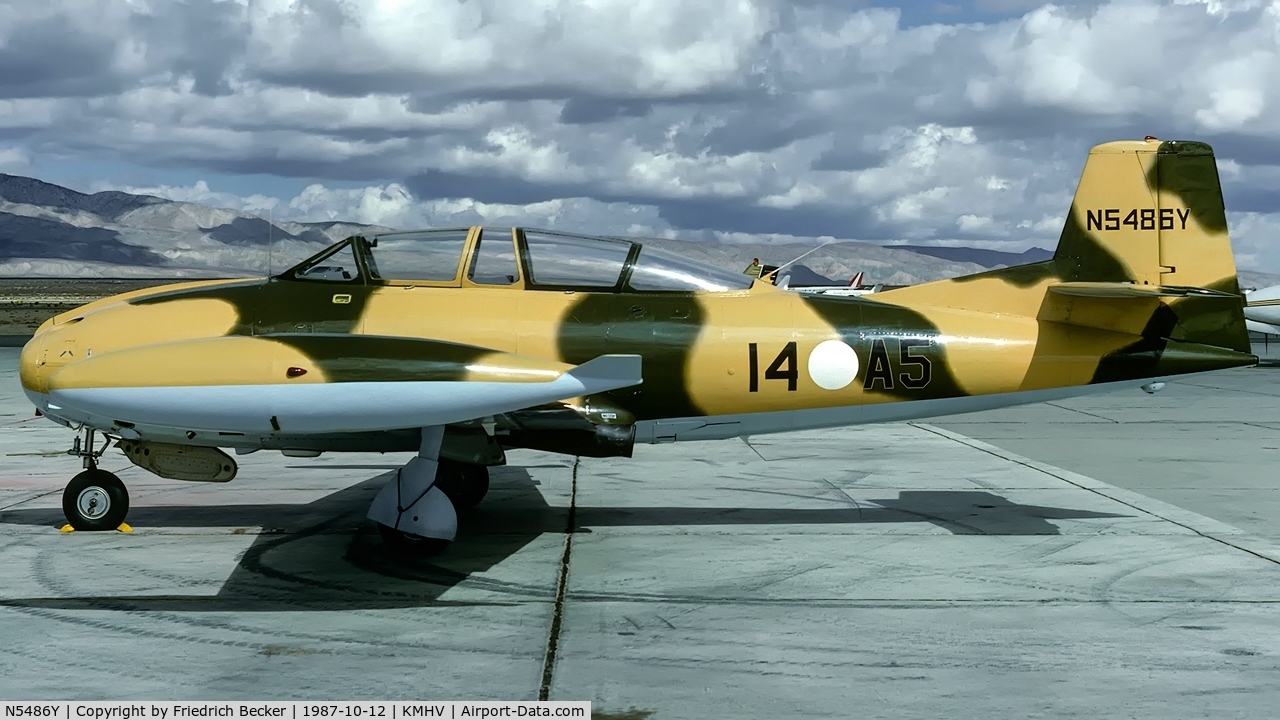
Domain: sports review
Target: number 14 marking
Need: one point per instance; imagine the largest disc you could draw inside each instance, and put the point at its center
(775, 371)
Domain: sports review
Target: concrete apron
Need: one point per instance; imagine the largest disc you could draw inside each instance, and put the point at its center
(888, 571)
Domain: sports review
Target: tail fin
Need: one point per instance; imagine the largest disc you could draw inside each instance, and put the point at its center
(1150, 213)
(1144, 252)
(1149, 216)
(856, 281)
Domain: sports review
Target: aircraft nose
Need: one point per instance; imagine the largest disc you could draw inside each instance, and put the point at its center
(31, 364)
(46, 352)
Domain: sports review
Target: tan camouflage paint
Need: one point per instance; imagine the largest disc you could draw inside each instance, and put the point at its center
(1000, 331)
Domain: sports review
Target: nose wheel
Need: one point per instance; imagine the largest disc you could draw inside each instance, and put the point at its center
(95, 500)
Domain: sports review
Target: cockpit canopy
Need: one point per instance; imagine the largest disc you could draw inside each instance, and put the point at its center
(520, 257)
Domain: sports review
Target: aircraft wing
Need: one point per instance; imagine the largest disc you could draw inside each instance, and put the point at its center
(322, 383)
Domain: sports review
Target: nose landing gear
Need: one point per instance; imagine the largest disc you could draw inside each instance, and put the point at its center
(95, 499)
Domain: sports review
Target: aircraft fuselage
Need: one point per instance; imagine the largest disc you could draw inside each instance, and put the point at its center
(715, 364)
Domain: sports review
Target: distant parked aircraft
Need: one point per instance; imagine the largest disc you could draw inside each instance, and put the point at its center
(854, 288)
(1262, 310)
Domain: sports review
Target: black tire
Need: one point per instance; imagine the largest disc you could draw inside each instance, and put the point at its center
(410, 545)
(464, 484)
(95, 500)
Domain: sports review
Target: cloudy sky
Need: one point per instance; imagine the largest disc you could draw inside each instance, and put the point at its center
(963, 122)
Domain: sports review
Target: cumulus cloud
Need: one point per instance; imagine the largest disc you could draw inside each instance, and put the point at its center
(14, 159)
(393, 205)
(198, 193)
(720, 119)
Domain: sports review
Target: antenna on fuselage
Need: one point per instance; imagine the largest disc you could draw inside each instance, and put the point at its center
(803, 255)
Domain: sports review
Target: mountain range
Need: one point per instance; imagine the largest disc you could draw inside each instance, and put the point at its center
(51, 231)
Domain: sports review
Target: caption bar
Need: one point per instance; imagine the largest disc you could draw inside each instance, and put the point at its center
(295, 710)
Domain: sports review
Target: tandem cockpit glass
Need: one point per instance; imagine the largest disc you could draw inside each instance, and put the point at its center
(580, 262)
(494, 261)
(661, 271)
(520, 257)
(561, 260)
(433, 256)
(398, 258)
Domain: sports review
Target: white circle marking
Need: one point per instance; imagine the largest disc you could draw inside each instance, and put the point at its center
(833, 365)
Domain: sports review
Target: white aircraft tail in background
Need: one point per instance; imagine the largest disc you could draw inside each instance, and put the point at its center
(1262, 310)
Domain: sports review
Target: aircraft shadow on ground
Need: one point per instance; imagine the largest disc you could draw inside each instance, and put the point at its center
(325, 555)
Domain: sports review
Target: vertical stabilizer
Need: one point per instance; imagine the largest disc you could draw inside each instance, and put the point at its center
(1150, 213)
(1144, 252)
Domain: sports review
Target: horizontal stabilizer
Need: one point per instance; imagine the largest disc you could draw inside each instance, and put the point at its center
(1150, 358)
(1131, 290)
(1174, 312)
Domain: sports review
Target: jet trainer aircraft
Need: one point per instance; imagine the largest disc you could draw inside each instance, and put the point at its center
(464, 343)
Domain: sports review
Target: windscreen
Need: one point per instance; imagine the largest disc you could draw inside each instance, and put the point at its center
(335, 265)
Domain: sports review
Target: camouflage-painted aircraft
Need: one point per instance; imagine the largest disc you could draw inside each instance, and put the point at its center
(460, 344)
